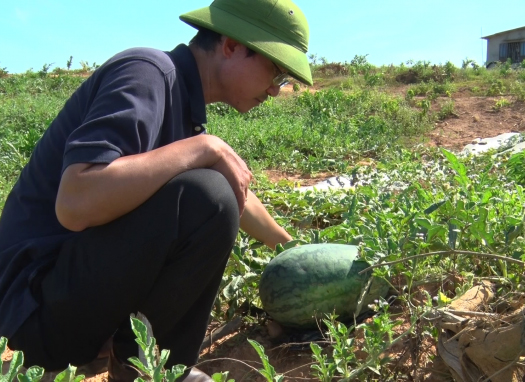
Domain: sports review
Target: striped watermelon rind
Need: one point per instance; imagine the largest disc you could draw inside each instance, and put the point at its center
(302, 284)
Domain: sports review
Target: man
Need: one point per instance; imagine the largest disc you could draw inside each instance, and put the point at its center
(126, 205)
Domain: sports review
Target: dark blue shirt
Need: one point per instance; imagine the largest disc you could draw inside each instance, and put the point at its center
(137, 101)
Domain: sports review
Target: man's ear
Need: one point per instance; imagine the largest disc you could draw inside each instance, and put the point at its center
(230, 47)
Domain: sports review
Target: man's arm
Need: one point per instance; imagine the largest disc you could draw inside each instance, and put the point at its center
(95, 194)
(258, 223)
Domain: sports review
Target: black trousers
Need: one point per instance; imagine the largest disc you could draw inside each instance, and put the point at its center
(165, 259)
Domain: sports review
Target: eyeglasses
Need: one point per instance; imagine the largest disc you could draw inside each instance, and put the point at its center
(282, 78)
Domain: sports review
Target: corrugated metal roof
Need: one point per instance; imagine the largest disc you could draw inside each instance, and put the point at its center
(510, 30)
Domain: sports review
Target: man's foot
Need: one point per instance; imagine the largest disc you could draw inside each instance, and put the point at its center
(197, 375)
(98, 365)
(120, 371)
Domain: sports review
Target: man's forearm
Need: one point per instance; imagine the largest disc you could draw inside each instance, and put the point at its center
(257, 222)
(95, 194)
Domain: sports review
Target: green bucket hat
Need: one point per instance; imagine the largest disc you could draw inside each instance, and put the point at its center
(277, 29)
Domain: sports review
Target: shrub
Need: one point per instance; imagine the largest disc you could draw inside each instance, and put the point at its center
(518, 89)
(496, 88)
(501, 103)
(447, 110)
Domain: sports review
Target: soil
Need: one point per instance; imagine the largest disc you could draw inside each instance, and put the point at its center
(474, 117)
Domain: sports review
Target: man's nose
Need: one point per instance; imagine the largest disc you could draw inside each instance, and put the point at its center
(273, 90)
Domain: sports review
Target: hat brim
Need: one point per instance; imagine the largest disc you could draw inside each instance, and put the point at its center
(261, 41)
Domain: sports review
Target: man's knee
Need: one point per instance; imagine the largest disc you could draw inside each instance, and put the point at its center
(201, 197)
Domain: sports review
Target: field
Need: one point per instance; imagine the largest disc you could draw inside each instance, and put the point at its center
(435, 223)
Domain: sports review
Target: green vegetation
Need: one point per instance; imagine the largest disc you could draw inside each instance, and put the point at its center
(423, 212)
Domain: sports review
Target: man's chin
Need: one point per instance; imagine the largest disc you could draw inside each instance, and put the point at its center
(245, 108)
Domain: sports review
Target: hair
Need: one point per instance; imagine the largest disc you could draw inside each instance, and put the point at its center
(208, 40)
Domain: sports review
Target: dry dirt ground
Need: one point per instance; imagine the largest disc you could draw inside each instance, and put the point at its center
(475, 117)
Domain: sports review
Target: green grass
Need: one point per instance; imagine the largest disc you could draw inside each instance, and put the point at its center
(318, 131)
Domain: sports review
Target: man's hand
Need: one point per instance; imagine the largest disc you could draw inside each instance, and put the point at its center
(257, 222)
(236, 172)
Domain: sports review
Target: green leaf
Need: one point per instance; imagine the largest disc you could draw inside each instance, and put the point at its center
(151, 353)
(443, 299)
(293, 243)
(423, 222)
(176, 372)
(221, 377)
(353, 207)
(513, 232)
(3, 346)
(436, 230)
(486, 196)
(135, 361)
(230, 291)
(456, 222)
(514, 221)
(279, 248)
(379, 228)
(268, 372)
(141, 332)
(16, 363)
(33, 374)
(479, 227)
(169, 377)
(158, 374)
(260, 351)
(457, 166)
(164, 355)
(316, 349)
(434, 207)
(67, 375)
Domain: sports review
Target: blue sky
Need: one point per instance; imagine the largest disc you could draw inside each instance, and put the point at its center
(38, 32)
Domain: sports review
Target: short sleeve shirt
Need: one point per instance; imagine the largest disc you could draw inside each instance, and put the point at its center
(139, 100)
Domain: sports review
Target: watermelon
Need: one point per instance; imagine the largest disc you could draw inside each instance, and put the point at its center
(302, 284)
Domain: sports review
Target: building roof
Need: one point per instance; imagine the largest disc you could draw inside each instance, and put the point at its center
(510, 30)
